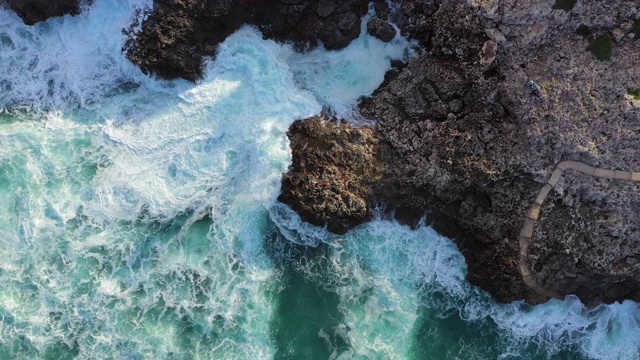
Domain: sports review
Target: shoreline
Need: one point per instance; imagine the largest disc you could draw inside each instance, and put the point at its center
(458, 136)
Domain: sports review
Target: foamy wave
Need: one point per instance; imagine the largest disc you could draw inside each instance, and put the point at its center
(67, 61)
(339, 78)
(389, 275)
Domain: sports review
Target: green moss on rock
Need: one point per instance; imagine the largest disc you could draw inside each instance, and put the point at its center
(584, 31)
(565, 5)
(601, 47)
(634, 92)
(636, 29)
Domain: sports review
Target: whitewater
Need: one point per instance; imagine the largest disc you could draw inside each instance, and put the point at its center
(138, 218)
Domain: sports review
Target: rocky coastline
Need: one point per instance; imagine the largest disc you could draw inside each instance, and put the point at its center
(459, 140)
(464, 142)
(331, 179)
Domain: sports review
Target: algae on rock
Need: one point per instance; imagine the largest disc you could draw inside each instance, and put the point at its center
(601, 47)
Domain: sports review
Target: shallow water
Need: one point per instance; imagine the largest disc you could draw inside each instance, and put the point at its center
(138, 218)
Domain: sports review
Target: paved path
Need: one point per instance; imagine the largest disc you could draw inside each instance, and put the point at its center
(534, 212)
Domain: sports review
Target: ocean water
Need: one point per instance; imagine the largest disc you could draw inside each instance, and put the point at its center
(138, 218)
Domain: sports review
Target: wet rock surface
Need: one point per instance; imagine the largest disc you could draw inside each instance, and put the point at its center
(330, 180)
(177, 34)
(34, 11)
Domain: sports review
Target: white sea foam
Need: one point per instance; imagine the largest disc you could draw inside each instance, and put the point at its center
(393, 271)
(68, 60)
(339, 78)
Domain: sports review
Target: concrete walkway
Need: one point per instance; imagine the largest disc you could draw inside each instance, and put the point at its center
(534, 212)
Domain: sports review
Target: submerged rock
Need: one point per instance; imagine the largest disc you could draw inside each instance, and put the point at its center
(34, 11)
(177, 34)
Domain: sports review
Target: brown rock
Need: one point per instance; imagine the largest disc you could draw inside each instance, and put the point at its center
(489, 52)
(474, 172)
(329, 180)
(34, 11)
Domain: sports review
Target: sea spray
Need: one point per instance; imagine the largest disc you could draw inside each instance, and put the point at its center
(66, 61)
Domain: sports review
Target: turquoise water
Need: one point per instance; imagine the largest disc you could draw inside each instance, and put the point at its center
(138, 218)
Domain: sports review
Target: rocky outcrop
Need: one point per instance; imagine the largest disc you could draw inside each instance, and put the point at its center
(34, 11)
(381, 29)
(177, 34)
(463, 141)
(330, 180)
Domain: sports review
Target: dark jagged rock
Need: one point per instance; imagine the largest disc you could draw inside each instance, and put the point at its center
(329, 181)
(34, 11)
(380, 29)
(178, 34)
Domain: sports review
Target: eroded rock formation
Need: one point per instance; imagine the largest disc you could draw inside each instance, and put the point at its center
(34, 11)
(331, 177)
(178, 34)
